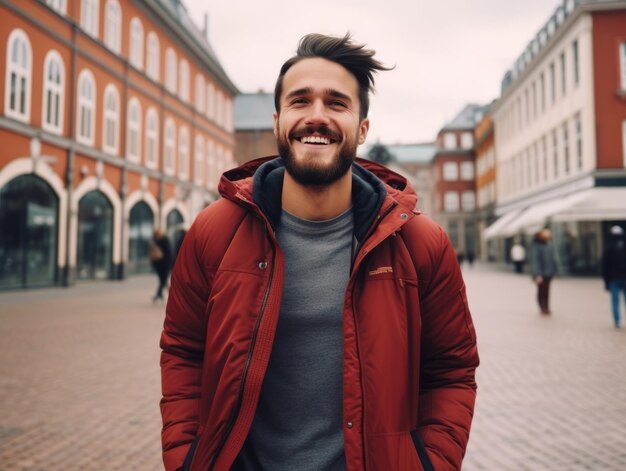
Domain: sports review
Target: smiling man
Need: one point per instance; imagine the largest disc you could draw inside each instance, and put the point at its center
(316, 319)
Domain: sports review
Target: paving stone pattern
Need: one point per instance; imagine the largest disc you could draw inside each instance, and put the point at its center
(80, 385)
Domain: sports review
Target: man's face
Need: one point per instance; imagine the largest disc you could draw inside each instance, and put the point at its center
(318, 127)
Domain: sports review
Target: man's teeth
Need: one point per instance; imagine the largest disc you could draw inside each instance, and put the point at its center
(315, 140)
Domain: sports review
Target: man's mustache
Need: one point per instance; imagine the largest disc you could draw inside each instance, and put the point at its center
(323, 131)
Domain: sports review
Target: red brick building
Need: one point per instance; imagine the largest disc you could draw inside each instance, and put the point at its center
(116, 118)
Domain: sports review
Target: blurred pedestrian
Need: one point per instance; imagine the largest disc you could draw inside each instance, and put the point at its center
(460, 257)
(543, 264)
(161, 258)
(518, 256)
(614, 269)
(470, 258)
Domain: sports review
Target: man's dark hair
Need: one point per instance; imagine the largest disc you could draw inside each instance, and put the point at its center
(355, 58)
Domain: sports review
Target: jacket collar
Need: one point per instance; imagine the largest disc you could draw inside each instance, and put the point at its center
(259, 182)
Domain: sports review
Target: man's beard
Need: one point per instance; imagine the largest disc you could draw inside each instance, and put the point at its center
(312, 174)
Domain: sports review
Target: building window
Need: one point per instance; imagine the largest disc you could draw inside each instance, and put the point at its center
(170, 70)
(527, 103)
(536, 161)
(210, 101)
(575, 62)
(542, 86)
(450, 171)
(183, 76)
(183, 153)
(58, 5)
(552, 83)
(451, 201)
(136, 43)
(89, 16)
(169, 145)
(534, 99)
(133, 130)
(113, 25)
(198, 167)
(544, 155)
(86, 108)
(53, 86)
(566, 167)
(229, 124)
(449, 140)
(152, 138)
(563, 74)
(218, 107)
(18, 76)
(555, 154)
(210, 165)
(579, 142)
(467, 140)
(111, 119)
(153, 52)
(467, 171)
(468, 201)
(622, 62)
(200, 101)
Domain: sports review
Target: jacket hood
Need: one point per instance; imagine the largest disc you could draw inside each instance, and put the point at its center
(260, 182)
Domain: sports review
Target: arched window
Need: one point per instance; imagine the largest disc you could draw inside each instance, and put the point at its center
(89, 16)
(169, 146)
(85, 123)
(113, 25)
(58, 5)
(198, 168)
(170, 70)
(152, 138)
(210, 101)
(184, 80)
(183, 153)
(152, 59)
(18, 76)
(210, 165)
(199, 93)
(133, 127)
(111, 120)
(53, 87)
(136, 43)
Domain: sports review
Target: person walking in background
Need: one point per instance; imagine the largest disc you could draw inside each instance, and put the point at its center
(161, 258)
(518, 256)
(614, 269)
(543, 264)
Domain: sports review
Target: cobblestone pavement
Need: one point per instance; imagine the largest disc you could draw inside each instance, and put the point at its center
(79, 377)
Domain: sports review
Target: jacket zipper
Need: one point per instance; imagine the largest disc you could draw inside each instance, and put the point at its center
(379, 218)
(235, 413)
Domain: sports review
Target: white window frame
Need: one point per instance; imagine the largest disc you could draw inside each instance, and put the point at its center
(467, 171)
(22, 69)
(151, 147)
(449, 140)
(53, 93)
(135, 55)
(622, 63)
(198, 160)
(467, 140)
(199, 98)
(210, 101)
(468, 201)
(450, 171)
(169, 147)
(183, 153)
(90, 17)
(133, 125)
(111, 115)
(153, 53)
(171, 70)
(210, 157)
(451, 201)
(113, 26)
(86, 108)
(58, 5)
(219, 100)
(183, 80)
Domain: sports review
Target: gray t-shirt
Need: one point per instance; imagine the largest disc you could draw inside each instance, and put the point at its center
(298, 422)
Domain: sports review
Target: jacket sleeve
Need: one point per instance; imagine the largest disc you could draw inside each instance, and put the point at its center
(182, 344)
(449, 360)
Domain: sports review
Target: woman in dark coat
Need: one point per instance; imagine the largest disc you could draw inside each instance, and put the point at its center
(614, 269)
(544, 267)
(161, 258)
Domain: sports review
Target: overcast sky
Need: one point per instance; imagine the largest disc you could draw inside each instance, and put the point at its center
(447, 53)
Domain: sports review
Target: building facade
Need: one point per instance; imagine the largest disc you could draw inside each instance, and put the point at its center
(560, 133)
(116, 118)
(254, 126)
(485, 183)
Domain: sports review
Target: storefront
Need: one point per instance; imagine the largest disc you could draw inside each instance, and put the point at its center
(95, 237)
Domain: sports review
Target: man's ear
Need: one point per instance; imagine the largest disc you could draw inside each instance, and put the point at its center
(275, 116)
(363, 129)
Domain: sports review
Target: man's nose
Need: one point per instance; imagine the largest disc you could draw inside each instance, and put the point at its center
(318, 113)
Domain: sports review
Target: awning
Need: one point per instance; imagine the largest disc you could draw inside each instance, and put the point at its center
(595, 204)
(495, 228)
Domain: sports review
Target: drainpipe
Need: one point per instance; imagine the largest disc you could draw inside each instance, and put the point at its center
(120, 275)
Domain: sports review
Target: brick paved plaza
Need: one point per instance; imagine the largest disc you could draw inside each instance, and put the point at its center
(79, 377)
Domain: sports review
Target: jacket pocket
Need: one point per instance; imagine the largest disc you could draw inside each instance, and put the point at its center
(421, 451)
(190, 453)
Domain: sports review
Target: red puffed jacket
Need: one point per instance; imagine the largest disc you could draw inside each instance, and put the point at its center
(410, 351)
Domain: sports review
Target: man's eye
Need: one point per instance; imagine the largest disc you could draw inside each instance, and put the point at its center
(299, 101)
(340, 104)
